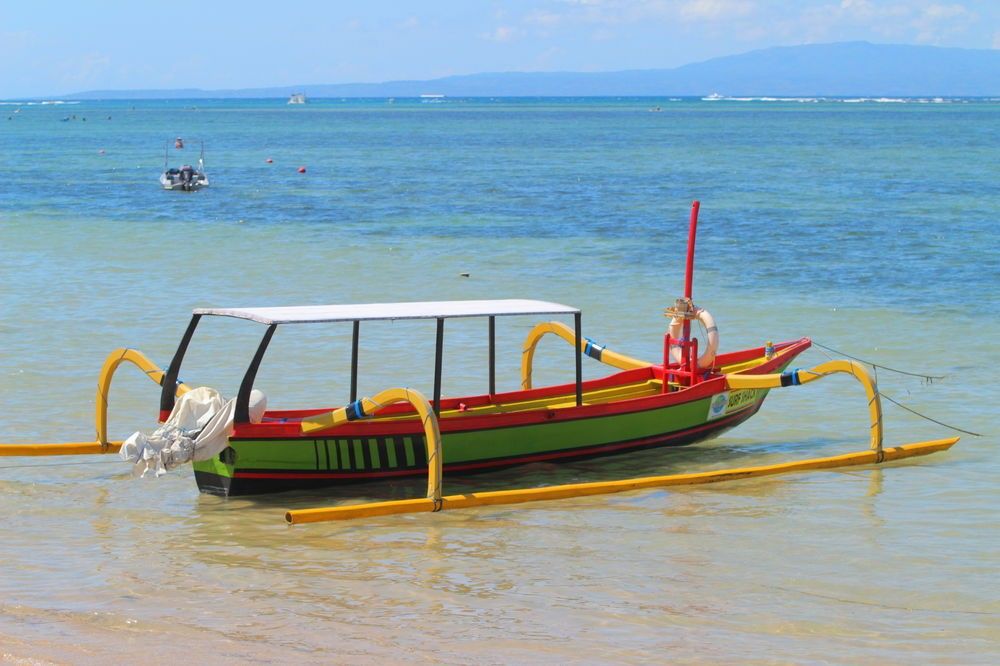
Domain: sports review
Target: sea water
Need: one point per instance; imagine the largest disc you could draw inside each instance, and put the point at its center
(868, 226)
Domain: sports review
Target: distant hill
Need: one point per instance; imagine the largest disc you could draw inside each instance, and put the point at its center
(836, 70)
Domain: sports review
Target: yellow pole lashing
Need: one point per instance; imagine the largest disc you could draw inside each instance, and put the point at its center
(607, 487)
(803, 376)
(101, 445)
(367, 407)
(587, 346)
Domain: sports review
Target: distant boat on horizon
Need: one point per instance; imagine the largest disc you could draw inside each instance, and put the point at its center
(431, 98)
(297, 98)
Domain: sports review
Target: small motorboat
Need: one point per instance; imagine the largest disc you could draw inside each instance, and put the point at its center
(187, 178)
(297, 98)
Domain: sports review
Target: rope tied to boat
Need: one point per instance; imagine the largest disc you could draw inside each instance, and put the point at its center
(924, 416)
(927, 379)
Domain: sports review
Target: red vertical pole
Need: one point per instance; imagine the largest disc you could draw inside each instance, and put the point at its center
(692, 232)
(689, 270)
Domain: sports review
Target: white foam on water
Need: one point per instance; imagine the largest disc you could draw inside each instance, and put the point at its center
(40, 103)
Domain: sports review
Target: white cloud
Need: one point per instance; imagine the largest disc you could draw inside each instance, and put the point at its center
(715, 10)
(864, 10)
(502, 33)
(922, 21)
(937, 12)
(543, 18)
(546, 59)
(411, 23)
(621, 12)
(85, 69)
(752, 21)
(935, 22)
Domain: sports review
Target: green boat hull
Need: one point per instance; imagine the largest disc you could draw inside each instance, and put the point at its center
(256, 466)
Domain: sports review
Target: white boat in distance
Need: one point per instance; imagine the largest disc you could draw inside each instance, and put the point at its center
(297, 98)
(187, 178)
(432, 98)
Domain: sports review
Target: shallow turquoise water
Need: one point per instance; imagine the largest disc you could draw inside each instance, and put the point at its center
(868, 227)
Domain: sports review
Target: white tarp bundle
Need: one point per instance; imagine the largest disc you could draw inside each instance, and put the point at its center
(197, 429)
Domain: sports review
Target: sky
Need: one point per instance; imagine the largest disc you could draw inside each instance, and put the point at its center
(49, 48)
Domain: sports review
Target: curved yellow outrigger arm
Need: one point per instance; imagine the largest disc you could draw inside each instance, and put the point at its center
(102, 445)
(111, 363)
(587, 346)
(367, 407)
(801, 376)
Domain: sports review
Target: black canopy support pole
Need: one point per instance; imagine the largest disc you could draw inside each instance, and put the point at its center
(169, 390)
(243, 399)
(354, 360)
(493, 356)
(577, 326)
(438, 358)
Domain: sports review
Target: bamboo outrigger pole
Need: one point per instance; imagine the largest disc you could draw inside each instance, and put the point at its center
(607, 487)
(876, 454)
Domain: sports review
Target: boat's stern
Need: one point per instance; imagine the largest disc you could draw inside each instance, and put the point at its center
(215, 475)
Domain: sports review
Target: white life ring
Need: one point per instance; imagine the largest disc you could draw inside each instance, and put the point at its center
(706, 359)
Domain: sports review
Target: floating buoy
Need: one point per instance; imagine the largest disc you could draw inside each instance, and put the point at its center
(269, 160)
(302, 169)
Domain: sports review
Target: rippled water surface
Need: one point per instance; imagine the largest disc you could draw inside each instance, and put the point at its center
(871, 228)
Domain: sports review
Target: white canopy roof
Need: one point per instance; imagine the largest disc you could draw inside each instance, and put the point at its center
(306, 314)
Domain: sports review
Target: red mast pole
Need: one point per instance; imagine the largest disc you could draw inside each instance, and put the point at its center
(688, 365)
(689, 277)
(692, 232)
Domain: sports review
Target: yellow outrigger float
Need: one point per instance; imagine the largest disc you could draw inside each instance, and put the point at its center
(400, 433)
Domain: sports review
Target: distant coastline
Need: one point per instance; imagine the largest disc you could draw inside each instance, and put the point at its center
(644, 99)
(841, 70)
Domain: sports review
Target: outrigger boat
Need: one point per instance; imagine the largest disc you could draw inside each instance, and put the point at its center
(242, 448)
(641, 406)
